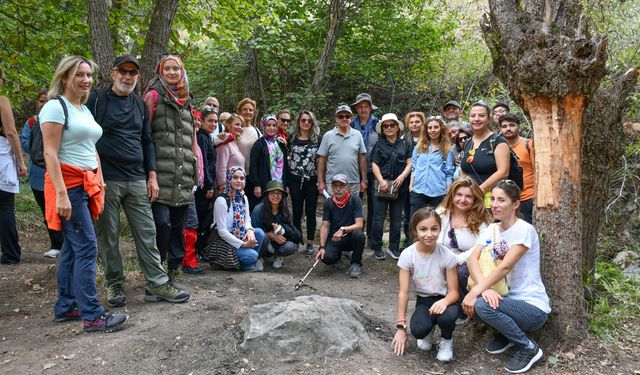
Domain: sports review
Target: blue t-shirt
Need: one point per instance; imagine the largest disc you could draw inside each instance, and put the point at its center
(78, 144)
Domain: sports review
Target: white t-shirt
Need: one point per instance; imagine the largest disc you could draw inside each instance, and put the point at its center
(428, 271)
(78, 143)
(465, 238)
(524, 280)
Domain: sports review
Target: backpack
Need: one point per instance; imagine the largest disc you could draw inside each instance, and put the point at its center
(99, 109)
(36, 147)
(515, 170)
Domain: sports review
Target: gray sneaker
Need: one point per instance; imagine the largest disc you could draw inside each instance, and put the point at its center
(165, 292)
(355, 271)
(116, 296)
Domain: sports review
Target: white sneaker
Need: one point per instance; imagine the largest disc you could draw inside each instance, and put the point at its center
(426, 344)
(52, 253)
(260, 265)
(277, 263)
(270, 249)
(445, 350)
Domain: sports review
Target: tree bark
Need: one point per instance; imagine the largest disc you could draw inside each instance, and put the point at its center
(603, 146)
(552, 68)
(254, 88)
(157, 38)
(336, 18)
(101, 43)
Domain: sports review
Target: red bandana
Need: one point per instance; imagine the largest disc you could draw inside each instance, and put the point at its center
(344, 201)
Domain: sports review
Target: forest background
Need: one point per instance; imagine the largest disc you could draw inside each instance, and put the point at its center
(299, 54)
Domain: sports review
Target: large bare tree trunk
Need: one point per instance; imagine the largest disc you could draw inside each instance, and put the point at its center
(552, 68)
(603, 146)
(336, 18)
(157, 38)
(101, 44)
(254, 88)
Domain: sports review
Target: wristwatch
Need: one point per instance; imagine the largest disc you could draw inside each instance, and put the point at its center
(401, 326)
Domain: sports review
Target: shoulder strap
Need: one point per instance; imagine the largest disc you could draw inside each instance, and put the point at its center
(100, 105)
(65, 110)
(526, 145)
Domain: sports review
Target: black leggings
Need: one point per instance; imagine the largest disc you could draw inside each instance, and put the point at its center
(304, 195)
(422, 322)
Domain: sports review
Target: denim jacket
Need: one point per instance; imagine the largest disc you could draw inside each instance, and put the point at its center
(431, 174)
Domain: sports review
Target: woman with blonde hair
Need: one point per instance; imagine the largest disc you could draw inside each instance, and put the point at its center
(414, 121)
(250, 134)
(11, 165)
(431, 165)
(74, 193)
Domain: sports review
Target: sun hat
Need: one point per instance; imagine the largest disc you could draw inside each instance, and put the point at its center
(389, 117)
(275, 185)
(364, 97)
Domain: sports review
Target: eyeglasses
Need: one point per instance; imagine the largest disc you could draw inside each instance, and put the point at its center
(275, 192)
(453, 241)
(389, 126)
(343, 117)
(125, 72)
(287, 120)
(471, 154)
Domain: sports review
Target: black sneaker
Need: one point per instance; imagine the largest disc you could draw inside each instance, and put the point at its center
(380, 254)
(395, 254)
(192, 270)
(523, 359)
(107, 322)
(498, 345)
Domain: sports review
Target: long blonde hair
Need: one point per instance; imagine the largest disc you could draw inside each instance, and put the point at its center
(67, 67)
(424, 140)
(477, 214)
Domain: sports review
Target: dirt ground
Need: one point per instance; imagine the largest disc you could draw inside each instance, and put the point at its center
(203, 336)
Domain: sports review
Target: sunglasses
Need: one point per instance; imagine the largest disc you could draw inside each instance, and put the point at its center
(125, 72)
(287, 120)
(509, 182)
(462, 139)
(471, 154)
(389, 126)
(343, 117)
(306, 121)
(453, 241)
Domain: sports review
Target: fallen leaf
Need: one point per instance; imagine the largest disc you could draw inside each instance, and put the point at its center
(49, 365)
(68, 357)
(553, 360)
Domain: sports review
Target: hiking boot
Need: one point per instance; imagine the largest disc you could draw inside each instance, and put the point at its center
(445, 350)
(498, 345)
(355, 271)
(192, 270)
(339, 265)
(277, 263)
(309, 249)
(165, 292)
(174, 277)
(116, 296)
(51, 253)
(73, 314)
(379, 254)
(426, 343)
(260, 265)
(395, 254)
(107, 322)
(523, 358)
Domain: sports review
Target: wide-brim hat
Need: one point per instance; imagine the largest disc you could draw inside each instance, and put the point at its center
(453, 103)
(275, 185)
(389, 117)
(362, 98)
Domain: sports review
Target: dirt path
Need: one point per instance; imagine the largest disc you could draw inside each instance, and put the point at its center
(203, 336)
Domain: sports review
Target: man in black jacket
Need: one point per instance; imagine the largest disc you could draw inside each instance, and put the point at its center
(127, 157)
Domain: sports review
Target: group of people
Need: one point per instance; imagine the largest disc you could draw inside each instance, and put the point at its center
(224, 188)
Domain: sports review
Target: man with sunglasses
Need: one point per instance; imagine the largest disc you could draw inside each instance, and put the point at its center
(128, 161)
(342, 151)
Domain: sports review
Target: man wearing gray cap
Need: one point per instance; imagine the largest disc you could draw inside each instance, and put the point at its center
(128, 162)
(451, 112)
(342, 150)
(341, 228)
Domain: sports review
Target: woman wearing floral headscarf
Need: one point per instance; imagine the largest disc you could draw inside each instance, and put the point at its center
(268, 158)
(233, 222)
(168, 101)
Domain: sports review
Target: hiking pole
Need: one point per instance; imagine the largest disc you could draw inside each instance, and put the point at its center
(305, 276)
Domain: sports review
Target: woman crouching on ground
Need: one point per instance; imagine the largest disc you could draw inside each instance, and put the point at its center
(74, 193)
(275, 218)
(432, 268)
(526, 307)
(233, 222)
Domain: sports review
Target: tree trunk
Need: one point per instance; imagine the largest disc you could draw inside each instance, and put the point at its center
(603, 146)
(101, 44)
(551, 69)
(157, 38)
(254, 88)
(333, 33)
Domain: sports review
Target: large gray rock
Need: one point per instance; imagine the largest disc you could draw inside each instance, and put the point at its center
(304, 328)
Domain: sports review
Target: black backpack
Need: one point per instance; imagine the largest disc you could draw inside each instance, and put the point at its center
(36, 147)
(515, 170)
(99, 107)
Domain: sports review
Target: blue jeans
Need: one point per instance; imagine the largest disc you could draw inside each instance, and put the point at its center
(76, 273)
(248, 256)
(512, 318)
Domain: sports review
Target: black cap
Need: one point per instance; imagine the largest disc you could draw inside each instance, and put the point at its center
(453, 103)
(126, 58)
